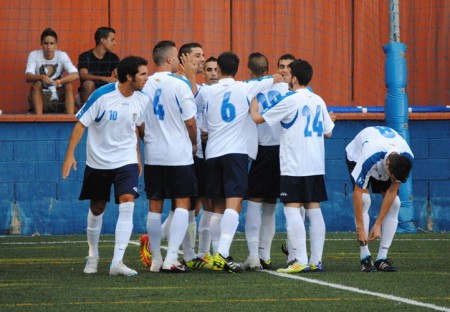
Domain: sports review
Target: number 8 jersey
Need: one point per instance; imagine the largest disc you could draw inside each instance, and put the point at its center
(304, 121)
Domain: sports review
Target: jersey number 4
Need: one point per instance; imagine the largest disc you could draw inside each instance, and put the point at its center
(158, 108)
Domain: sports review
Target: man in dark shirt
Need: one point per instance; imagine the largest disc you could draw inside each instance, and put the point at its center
(97, 66)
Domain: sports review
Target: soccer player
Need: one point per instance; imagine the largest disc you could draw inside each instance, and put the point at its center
(113, 157)
(227, 149)
(169, 132)
(264, 175)
(305, 121)
(379, 157)
(210, 71)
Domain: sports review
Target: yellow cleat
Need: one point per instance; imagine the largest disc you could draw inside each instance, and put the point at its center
(294, 267)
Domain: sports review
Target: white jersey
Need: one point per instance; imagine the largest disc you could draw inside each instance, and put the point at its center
(228, 122)
(166, 138)
(370, 149)
(37, 64)
(111, 118)
(267, 135)
(304, 120)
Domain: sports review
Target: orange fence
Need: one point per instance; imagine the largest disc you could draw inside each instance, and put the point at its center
(342, 39)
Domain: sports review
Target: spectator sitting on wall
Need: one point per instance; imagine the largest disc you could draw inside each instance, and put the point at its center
(45, 70)
(97, 66)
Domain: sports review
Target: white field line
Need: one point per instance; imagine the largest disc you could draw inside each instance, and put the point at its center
(360, 291)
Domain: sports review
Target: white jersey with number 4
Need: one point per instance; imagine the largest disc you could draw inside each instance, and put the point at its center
(112, 120)
(304, 120)
(230, 127)
(166, 138)
(370, 149)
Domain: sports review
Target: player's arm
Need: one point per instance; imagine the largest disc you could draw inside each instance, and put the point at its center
(257, 117)
(75, 138)
(277, 78)
(386, 204)
(191, 127)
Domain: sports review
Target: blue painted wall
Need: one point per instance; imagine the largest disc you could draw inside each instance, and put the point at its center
(34, 198)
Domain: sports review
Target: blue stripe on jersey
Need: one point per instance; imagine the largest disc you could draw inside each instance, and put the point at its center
(178, 103)
(258, 79)
(182, 79)
(289, 124)
(281, 98)
(367, 165)
(110, 87)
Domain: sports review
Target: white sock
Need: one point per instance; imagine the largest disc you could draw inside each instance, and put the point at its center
(303, 212)
(94, 228)
(296, 234)
(267, 231)
(316, 234)
(253, 226)
(204, 234)
(124, 227)
(178, 228)
(189, 238)
(154, 233)
(216, 219)
(192, 228)
(388, 229)
(165, 226)
(228, 227)
(364, 250)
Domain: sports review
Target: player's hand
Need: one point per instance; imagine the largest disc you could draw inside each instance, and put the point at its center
(69, 162)
(361, 237)
(375, 232)
(188, 66)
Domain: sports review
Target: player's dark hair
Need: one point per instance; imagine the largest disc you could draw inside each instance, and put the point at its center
(228, 62)
(187, 48)
(102, 33)
(286, 57)
(160, 51)
(211, 59)
(129, 66)
(400, 166)
(49, 32)
(258, 64)
(302, 70)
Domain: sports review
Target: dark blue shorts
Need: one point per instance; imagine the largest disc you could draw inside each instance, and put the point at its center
(170, 182)
(264, 176)
(200, 172)
(376, 186)
(97, 183)
(227, 176)
(310, 189)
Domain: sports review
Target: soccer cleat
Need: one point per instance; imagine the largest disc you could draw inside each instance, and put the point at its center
(266, 265)
(121, 269)
(173, 267)
(316, 267)
(208, 259)
(250, 264)
(146, 254)
(198, 263)
(284, 248)
(367, 265)
(385, 265)
(225, 264)
(91, 265)
(294, 267)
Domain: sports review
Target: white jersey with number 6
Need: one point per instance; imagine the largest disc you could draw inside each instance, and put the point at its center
(166, 138)
(229, 125)
(304, 120)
